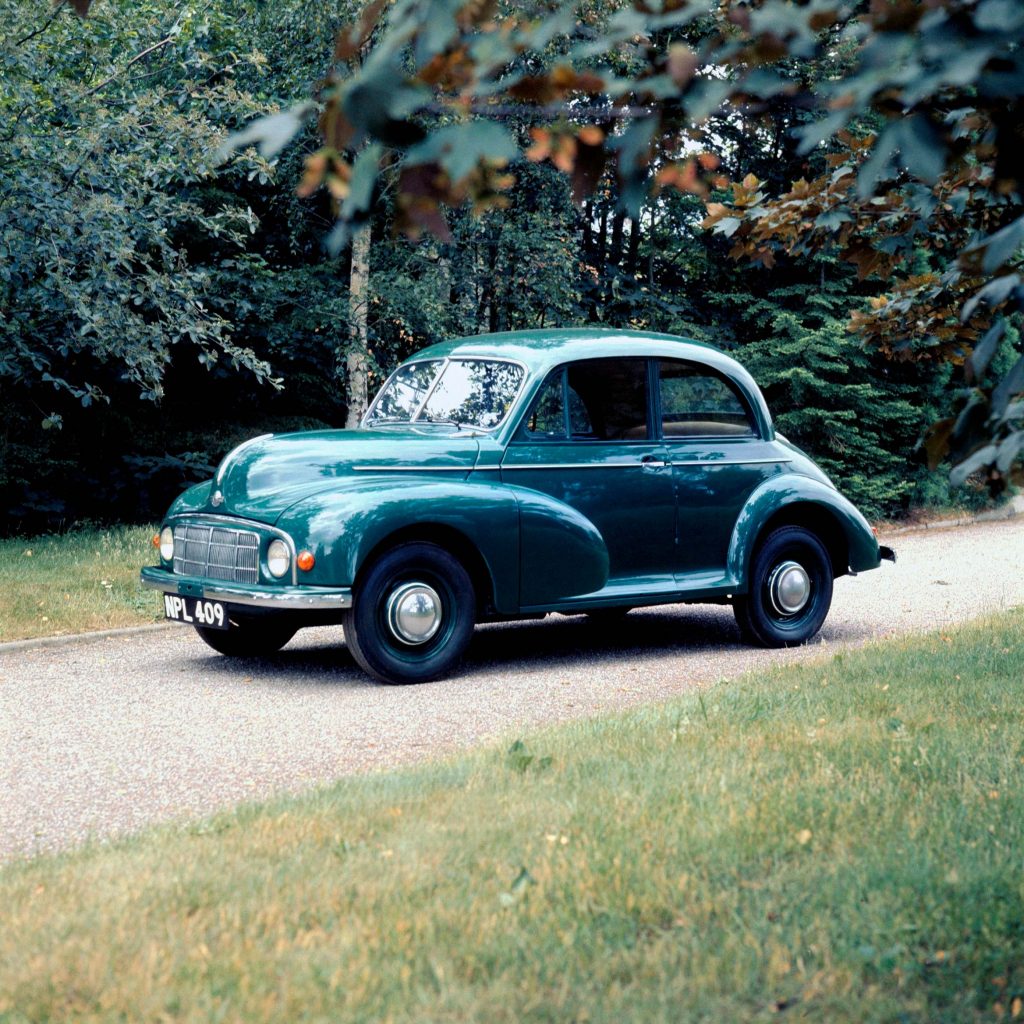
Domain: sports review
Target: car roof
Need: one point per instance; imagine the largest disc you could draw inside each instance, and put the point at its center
(540, 350)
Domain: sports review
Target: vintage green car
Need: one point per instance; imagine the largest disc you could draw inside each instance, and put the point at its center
(507, 476)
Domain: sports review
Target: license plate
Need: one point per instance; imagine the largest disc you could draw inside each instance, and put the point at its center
(196, 611)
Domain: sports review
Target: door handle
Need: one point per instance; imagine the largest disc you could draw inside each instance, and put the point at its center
(653, 462)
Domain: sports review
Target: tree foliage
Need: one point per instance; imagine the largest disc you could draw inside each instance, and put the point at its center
(927, 119)
(103, 206)
(561, 182)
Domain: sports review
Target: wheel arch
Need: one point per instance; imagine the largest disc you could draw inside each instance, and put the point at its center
(816, 519)
(791, 500)
(450, 539)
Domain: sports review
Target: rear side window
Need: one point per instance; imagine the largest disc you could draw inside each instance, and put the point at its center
(698, 403)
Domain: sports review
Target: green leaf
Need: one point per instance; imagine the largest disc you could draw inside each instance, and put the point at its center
(819, 131)
(878, 165)
(996, 292)
(922, 150)
(832, 219)
(975, 461)
(459, 148)
(1001, 246)
(985, 349)
(1009, 449)
(270, 134)
(1009, 387)
(727, 226)
(364, 178)
(999, 15)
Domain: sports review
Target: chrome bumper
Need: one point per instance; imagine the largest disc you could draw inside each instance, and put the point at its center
(285, 597)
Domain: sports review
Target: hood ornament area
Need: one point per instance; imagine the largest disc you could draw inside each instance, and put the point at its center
(217, 500)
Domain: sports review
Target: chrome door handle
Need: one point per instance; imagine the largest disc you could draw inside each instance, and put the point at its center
(653, 462)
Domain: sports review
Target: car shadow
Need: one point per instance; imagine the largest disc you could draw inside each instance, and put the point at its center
(319, 657)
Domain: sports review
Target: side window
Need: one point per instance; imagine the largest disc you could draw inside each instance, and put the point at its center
(695, 402)
(546, 418)
(608, 399)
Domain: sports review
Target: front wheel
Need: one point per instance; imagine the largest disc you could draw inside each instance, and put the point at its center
(248, 638)
(413, 615)
(790, 590)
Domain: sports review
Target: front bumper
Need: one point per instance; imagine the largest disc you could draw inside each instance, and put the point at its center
(285, 597)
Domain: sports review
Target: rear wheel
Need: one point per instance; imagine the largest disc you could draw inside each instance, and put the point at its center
(412, 616)
(790, 590)
(249, 638)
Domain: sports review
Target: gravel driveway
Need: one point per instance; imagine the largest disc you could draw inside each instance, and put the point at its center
(102, 737)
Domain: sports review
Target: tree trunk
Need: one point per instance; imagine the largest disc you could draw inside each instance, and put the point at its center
(634, 246)
(357, 355)
(602, 241)
(618, 223)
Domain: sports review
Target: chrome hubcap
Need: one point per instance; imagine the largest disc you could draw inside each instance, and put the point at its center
(414, 613)
(789, 588)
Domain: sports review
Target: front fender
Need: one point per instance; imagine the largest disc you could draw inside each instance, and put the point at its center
(535, 549)
(779, 492)
(342, 527)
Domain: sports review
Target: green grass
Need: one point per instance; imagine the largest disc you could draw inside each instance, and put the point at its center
(840, 841)
(75, 582)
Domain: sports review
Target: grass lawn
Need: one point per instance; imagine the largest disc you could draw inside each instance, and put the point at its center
(833, 842)
(74, 582)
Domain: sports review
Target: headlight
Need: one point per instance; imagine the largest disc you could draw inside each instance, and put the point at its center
(167, 544)
(279, 558)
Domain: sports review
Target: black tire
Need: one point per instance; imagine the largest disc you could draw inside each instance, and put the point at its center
(767, 615)
(412, 572)
(249, 638)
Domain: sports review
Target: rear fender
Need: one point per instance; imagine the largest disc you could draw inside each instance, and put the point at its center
(563, 554)
(780, 492)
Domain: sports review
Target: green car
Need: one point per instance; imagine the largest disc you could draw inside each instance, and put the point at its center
(507, 476)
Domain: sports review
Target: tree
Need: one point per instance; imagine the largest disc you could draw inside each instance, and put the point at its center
(143, 293)
(102, 209)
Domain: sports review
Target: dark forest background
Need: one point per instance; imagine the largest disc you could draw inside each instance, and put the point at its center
(155, 310)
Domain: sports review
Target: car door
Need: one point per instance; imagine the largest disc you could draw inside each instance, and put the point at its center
(717, 459)
(588, 441)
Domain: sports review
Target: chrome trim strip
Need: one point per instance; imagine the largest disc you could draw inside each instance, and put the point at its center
(249, 524)
(712, 463)
(578, 465)
(415, 469)
(310, 598)
(730, 462)
(234, 451)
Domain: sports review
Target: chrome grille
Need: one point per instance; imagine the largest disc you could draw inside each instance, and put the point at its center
(216, 552)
